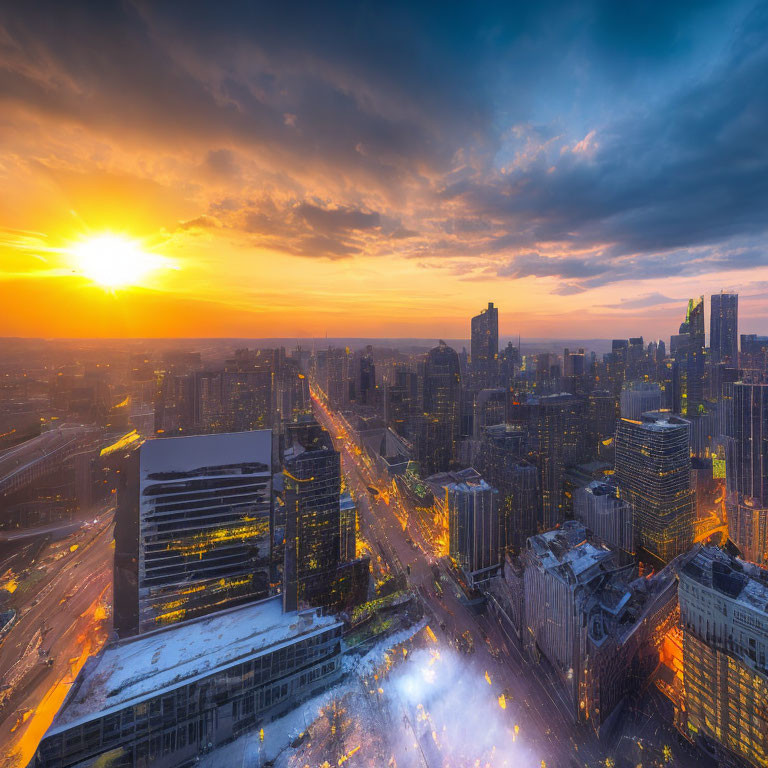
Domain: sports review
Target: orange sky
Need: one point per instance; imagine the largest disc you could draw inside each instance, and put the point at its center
(301, 191)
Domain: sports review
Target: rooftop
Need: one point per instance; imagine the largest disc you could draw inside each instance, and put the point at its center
(659, 421)
(185, 454)
(744, 582)
(132, 670)
(568, 554)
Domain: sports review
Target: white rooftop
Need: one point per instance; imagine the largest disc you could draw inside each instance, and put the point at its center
(131, 670)
(185, 454)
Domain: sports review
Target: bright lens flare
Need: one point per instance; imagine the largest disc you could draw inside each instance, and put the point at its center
(113, 261)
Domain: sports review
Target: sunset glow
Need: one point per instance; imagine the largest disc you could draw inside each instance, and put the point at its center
(467, 165)
(115, 261)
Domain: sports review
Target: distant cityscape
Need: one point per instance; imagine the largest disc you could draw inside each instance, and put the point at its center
(286, 556)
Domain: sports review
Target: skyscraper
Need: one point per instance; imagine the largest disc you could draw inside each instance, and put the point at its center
(558, 439)
(442, 396)
(484, 347)
(204, 516)
(312, 490)
(748, 516)
(725, 647)
(653, 472)
(485, 335)
(638, 397)
(473, 528)
(608, 516)
(689, 357)
(723, 328)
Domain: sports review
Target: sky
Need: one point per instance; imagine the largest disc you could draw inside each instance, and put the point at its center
(381, 169)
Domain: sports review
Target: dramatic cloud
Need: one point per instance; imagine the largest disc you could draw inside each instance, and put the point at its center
(564, 147)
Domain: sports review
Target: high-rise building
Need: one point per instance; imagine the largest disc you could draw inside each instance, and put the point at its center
(485, 335)
(606, 514)
(748, 515)
(753, 358)
(690, 370)
(473, 528)
(312, 490)
(365, 377)
(441, 403)
(337, 377)
(598, 630)
(204, 516)
(558, 438)
(489, 409)
(653, 472)
(723, 328)
(724, 617)
(502, 463)
(638, 397)
(484, 347)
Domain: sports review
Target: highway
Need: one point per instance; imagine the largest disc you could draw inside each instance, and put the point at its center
(535, 703)
(63, 600)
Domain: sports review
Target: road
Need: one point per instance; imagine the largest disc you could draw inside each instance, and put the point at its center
(535, 702)
(63, 602)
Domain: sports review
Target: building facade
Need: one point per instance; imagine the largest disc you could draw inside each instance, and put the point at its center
(653, 473)
(723, 328)
(606, 514)
(473, 528)
(312, 493)
(195, 687)
(748, 471)
(205, 507)
(724, 617)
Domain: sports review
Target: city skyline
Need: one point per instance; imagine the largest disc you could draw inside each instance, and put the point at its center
(384, 384)
(237, 168)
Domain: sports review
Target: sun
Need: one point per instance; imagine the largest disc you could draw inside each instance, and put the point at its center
(115, 261)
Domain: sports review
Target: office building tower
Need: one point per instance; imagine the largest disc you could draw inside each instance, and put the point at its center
(601, 417)
(484, 348)
(653, 473)
(574, 371)
(753, 358)
(609, 517)
(473, 528)
(365, 377)
(616, 365)
(558, 438)
(724, 618)
(723, 328)
(337, 377)
(485, 335)
(690, 370)
(502, 462)
(489, 409)
(748, 513)
(200, 514)
(638, 397)
(165, 698)
(312, 489)
(597, 628)
(440, 428)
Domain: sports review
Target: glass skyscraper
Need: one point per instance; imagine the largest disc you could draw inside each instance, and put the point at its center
(653, 472)
(723, 328)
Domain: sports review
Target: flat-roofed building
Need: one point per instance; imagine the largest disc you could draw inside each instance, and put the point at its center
(653, 472)
(165, 697)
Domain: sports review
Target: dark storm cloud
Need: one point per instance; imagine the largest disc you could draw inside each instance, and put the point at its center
(629, 137)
